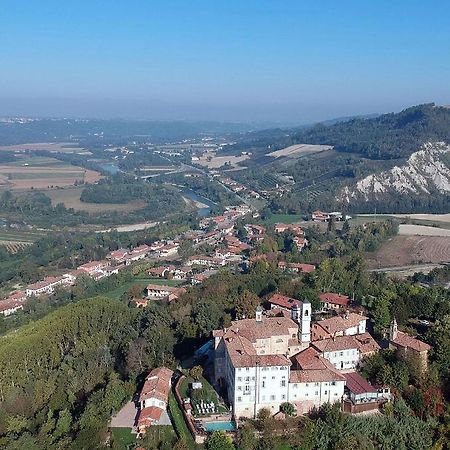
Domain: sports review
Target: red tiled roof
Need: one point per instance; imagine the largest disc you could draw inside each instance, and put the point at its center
(307, 268)
(339, 323)
(357, 384)
(157, 384)
(311, 367)
(407, 341)
(283, 301)
(337, 299)
(149, 415)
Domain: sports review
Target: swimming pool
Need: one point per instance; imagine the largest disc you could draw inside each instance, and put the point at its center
(220, 426)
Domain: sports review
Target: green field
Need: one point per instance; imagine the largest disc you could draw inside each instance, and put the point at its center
(123, 438)
(116, 293)
(283, 218)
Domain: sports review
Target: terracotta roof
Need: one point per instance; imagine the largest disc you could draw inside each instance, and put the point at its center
(47, 281)
(407, 341)
(243, 354)
(157, 384)
(339, 323)
(240, 337)
(367, 344)
(356, 384)
(268, 327)
(283, 301)
(149, 415)
(307, 268)
(337, 299)
(10, 303)
(309, 366)
(336, 344)
(314, 376)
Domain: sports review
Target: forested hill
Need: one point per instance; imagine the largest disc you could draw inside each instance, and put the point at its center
(390, 136)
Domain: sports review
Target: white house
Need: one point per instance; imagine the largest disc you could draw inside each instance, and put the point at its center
(346, 325)
(313, 381)
(154, 398)
(46, 286)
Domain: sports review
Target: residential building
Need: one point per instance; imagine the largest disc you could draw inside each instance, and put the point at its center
(346, 325)
(161, 271)
(46, 286)
(333, 301)
(283, 227)
(161, 292)
(296, 267)
(360, 396)
(154, 398)
(313, 381)
(168, 250)
(118, 255)
(346, 352)
(94, 266)
(13, 303)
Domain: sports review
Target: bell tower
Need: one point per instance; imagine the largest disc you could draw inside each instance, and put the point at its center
(393, 330)
(301, 313)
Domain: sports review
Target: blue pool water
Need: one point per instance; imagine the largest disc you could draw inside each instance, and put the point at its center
(219, 426)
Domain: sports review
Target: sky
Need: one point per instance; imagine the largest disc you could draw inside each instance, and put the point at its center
(278, 61)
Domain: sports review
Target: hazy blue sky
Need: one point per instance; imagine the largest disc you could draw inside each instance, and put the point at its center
(279, 60)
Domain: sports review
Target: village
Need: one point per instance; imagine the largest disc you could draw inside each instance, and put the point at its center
(288, 359)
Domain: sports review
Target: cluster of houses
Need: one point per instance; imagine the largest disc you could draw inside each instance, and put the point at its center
(283, 356)
(213, 230)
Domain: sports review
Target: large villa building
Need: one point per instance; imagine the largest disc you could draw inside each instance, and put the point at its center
(277, 357)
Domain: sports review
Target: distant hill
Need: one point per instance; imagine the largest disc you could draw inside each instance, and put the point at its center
(376, 162)
(388, 136)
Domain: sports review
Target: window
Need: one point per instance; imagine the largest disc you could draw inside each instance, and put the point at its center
(283, 383)
(263, 384)
(247, 369)
(273, 378)
(247, 379)
(239, 399)
(341, 353)
(317, 393)
(239, 379)
(306, 395)
(316, 384)
(278, 341)
(307, 384)
(239, 388)
(326, 392)
(333, 383)
(283, 397)
(272, 397)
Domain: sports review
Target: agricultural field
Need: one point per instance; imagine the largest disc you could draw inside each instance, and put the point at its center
(410, 250)
(15, 241)
(60, 147)
(70, 196)
(295, 151)
(43, 173)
